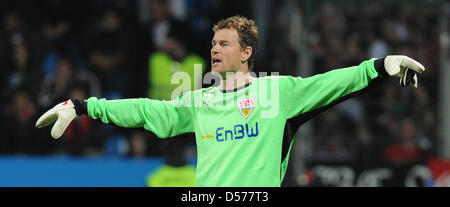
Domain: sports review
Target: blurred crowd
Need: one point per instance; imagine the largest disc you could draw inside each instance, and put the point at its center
(53, 50)
(390, 124)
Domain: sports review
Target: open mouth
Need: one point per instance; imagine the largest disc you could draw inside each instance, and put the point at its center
(216, 61)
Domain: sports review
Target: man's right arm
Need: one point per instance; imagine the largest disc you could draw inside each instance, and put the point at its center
(164, 118)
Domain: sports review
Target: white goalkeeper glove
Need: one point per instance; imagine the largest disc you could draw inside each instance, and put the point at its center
(403, 67)
(63, 113)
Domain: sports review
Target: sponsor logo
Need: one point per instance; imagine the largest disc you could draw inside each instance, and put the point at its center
(239, 131)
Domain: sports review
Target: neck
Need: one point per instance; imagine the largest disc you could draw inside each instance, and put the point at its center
(233, 80)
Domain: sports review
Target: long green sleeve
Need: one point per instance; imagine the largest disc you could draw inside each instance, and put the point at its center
(164, 118)
(307, 94)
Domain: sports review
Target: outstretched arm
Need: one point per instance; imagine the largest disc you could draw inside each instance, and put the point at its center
(164, 118)
(319, 92)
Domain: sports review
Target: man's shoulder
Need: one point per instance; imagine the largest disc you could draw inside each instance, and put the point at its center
(278, 78)
(199, 92)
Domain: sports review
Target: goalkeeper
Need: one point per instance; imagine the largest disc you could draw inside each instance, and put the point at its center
(239, 143)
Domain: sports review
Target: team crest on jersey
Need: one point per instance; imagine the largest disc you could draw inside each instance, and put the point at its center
(246, 106)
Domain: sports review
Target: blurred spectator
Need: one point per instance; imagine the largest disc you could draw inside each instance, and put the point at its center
(108, 54)
(141, 145)
(406, 148)
(334, 137)
(176, 171)
(173, 57)
(138, 145)
(55, 89)
(61, 22)
(14, 29)
(16, 56)
(20, 135)
(20, 71)
(282, 55)
(153, 36)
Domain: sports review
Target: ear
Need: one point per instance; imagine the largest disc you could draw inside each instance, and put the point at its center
(246, 53)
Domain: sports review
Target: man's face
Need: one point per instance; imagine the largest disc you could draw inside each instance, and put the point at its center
(225, 51)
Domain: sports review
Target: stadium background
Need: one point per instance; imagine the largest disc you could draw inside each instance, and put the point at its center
(52, 50)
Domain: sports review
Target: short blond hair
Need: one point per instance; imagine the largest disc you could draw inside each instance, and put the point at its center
(247, 32)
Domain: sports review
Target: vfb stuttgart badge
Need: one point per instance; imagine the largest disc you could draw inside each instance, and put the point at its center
(246, 106)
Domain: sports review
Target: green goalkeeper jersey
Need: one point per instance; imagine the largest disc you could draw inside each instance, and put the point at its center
(243, 136)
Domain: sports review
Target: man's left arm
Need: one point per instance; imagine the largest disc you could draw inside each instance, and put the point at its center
(319, 92)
